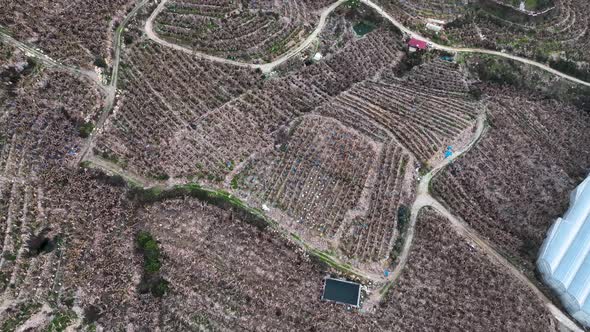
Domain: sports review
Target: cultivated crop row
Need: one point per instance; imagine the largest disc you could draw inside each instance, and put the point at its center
(38, 129)
(408, 10)
(443, 78)
(316, 177)
(370, 236)
(76, 32)
(418, 117)
(247, 30)
(564, 27)
(526, 157)
(213, 116)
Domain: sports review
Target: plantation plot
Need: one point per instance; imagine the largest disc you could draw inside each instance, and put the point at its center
(213, 116)
(539, 37)
(517, 180)
(370, 237)
(248, 30)
(421, 9)
(41, 116)
(448, 283)
(148, 121)
(423, 119)
(19, 212)
(76, 32)
(315, 177)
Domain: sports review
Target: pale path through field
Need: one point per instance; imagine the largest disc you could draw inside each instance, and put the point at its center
(266, 67)
(434, 45)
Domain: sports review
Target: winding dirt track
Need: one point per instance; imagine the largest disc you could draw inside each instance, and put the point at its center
(111, 88)
(434, 45)
(266, 67)
(424, 199)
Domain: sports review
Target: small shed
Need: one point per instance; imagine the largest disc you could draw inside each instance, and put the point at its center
(434, 27)
(342, 291)
(417, 44)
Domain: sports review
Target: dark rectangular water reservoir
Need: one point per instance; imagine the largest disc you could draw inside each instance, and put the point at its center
(342, 291)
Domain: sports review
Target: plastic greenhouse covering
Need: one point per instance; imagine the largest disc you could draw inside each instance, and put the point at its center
(564, 259)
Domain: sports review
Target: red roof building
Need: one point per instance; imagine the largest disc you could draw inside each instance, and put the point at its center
(417, 44)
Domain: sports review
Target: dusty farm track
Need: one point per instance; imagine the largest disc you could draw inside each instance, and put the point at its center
(111, 89)
(267, 67)
(425, 199)
(50, 62)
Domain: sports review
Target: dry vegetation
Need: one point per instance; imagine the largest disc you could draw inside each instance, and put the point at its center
(517, 180)
(559, 36)
(425, 111)
(315, 175)
(224, 114)
(409, 10)
(330, 146)
(41, 114)
(449, 283)
(563, 28)
(225, 274)
(76, 32)
(247, 30)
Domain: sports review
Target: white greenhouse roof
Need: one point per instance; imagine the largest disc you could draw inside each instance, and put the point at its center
(564, 259)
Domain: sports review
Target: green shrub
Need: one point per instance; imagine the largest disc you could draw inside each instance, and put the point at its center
(100, 62)
(150, 250)
(162, 176)
(61, 320)
(86, 129)
(159, 287)
(128, 39)
(403, 218)
(152, 281)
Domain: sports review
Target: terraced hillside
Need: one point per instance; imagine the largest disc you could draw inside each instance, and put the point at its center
(408, 10)
(425, 111)
(41, 116)
(449, 282)
(314, 176)
(216, 197)
(246, 30)
(517, 180)
(220, 117)
(75, 32)
(563, 28)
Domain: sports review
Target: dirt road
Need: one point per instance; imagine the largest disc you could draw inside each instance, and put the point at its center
(434, 45)
(111, 89)
(424, 198)
(266, 67)
(48, 61)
